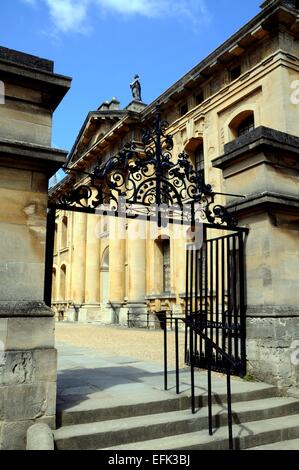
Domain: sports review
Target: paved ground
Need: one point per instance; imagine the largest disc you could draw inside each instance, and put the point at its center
(125, 367)
(116, 341)
(87, 378)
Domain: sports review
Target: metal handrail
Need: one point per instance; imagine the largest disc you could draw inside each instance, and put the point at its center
(211, 345)
(197, 326)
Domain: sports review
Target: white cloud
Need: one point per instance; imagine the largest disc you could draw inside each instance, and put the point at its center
(73, 15)
(68, 15)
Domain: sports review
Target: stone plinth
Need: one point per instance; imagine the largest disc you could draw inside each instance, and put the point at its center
(28, 359)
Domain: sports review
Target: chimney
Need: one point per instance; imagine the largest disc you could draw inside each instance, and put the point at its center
(104, 106)
(114, 104)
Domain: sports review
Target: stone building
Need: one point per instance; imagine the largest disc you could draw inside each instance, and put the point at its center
(236, 115)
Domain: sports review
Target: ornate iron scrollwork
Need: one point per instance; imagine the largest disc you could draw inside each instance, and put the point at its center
(149, 178)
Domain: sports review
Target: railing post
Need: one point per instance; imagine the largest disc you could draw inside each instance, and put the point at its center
(177, 363)
(229, 411)
(186, 307)
(209, 360)
(192, 370)
(242, 304)
(165, 354)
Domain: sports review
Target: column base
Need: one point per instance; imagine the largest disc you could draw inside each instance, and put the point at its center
(136, 314)
(107, 314)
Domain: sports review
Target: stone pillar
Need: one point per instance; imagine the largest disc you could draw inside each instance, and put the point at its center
(263, 166)
(137, 269)
(92, 271)
(117, 279)
(28, 365)
(79, 264)
(115, 311)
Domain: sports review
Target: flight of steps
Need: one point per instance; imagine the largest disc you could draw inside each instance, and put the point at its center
(260, 416)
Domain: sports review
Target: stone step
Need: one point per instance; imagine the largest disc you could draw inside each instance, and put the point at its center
(144, 428)
(95, 410)
(293, 444)
(277, 431)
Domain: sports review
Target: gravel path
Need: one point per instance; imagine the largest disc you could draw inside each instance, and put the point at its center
(118, 341)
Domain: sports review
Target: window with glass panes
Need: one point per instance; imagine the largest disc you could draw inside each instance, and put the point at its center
(166, 266)
(199, 159)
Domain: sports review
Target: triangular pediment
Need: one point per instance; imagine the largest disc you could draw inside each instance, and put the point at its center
(97, 124)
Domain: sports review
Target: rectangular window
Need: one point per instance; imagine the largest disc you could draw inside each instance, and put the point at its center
(199, 158)
(199, 98)
(184, 109)
(166, 266)
(64, 233)
(55, 238)
(235, 72)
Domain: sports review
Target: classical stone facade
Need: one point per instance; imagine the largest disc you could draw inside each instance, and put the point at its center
(28, 363)
(236, 115)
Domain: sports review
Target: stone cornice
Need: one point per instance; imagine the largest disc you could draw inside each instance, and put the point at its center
(53, 86)
(217, 59)
(28, 60)
(272, 311)
(265, 201)
(260, 138)
(24, 309)
(22, 152)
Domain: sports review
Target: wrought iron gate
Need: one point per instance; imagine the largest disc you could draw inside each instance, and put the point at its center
(215, 317)
(151, 186)
(215, 304)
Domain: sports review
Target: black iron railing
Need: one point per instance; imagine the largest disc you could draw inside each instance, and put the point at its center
(215, 314)
(194, 332)
(196, 329)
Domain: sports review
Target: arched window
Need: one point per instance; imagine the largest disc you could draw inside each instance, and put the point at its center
(246, 126)
(64, 232)
(242, 124)
(62, 284)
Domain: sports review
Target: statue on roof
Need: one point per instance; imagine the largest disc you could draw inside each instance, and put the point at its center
(136, 88)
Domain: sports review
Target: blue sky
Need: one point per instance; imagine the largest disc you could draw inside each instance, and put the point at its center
(103, 43)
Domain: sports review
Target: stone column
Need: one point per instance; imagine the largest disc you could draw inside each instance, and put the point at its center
(137, 269)
(78, 266)
(263, 166)
(115, 311)
(28, 364)
(92, 271)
